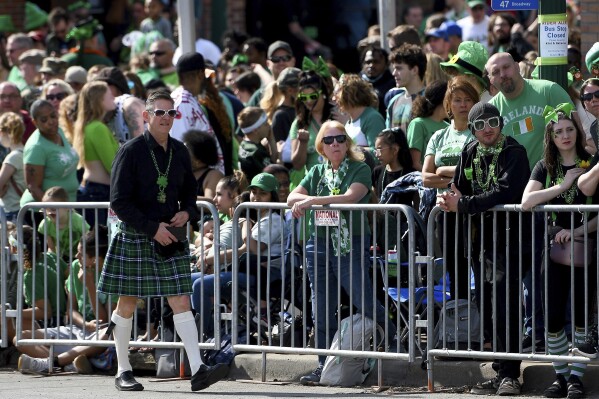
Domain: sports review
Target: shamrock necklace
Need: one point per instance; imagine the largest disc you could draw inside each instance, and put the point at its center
(495, 150)
(570, 193)
(162, 180)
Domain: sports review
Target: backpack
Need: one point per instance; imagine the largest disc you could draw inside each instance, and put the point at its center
(456, 313)
(226, 353)
(347, 371)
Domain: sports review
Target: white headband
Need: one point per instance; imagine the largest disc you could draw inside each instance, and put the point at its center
(256, 125)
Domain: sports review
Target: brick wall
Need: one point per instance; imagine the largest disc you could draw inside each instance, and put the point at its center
(16, 9)
(589, 22)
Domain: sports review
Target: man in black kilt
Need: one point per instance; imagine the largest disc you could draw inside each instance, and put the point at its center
(153, 193)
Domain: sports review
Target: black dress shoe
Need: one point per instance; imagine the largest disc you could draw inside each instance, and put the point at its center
(208, 375)
(126, 382)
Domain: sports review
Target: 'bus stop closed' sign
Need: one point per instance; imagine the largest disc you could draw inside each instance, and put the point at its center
(509, 5)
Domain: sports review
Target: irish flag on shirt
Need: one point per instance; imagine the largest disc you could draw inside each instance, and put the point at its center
(523, 126)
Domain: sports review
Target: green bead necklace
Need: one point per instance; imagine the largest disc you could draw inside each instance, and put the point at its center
(162, 180)
(495, 150)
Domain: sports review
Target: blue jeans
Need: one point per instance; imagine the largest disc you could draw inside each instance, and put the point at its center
(94, 192)
(325, 276)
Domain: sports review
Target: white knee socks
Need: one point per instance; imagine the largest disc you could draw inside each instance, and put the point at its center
(186, 329)
(121, 334)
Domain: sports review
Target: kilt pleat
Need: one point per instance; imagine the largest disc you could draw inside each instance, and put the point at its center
(133, 268)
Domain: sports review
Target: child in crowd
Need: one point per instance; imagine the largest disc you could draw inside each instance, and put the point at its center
(62, 227)
(86, 313)
(155, 20)
(42, 282)
(258, 148)
(12, 179)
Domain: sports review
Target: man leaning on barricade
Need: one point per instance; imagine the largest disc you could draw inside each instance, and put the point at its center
(493, 170)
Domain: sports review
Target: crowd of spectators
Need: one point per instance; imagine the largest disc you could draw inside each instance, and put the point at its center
(258, 108)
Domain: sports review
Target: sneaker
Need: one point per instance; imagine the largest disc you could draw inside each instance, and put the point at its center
(559, 388)
(590, 347)
(527, 344)
(575, 388)
(32, 365)
(488, 387)
(80, 365)
(313, 378)
(509, 387)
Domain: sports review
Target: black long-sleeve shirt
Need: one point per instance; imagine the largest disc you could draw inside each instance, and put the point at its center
(134, 191)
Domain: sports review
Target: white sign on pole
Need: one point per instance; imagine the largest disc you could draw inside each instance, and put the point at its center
(553, 39)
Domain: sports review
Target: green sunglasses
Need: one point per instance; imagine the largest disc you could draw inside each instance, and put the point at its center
(309, 97)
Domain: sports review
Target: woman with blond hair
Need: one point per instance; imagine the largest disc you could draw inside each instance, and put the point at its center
(12, 179)
(55, 91)
(96, 146)
(342, 178)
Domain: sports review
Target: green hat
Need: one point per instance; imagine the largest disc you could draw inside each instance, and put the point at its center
(265, 182)
(535, 75)
(469, 60)
(474, 3)
(6, 24)
(592, 57)
(34, 16)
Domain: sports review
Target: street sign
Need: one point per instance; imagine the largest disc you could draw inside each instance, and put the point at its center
(510, 5)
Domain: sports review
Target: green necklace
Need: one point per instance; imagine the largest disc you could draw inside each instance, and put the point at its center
(495, 150)
(570, 193)
(162, 180)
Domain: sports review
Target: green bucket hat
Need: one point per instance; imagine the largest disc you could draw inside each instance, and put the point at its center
(6, 25)
(34, 16)
(470, 60)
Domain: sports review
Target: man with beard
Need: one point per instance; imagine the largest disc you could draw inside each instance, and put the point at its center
(507, 37)
(493, 170)
(521, 102)
(375, 69)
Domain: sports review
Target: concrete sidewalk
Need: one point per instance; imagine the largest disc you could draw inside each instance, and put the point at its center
(447, 373)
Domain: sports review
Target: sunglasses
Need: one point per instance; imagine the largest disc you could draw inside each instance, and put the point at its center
(157, 53)
(589, 96)
(479, 124)
(282, 58)
(58, 96)
(161, 112)
(328, 140)
(309, 97)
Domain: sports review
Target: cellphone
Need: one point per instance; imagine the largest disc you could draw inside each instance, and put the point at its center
(180, 233)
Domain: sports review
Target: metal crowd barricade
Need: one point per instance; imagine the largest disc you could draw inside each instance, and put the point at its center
(283, 306)
(6, 312)
(66, 320)
(486, 267)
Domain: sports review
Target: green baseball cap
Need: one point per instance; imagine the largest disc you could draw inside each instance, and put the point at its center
(469, 60)
(265, 181)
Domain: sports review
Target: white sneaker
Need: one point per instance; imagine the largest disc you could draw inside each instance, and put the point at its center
(32, 365)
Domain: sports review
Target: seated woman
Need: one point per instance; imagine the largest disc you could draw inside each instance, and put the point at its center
(554, 180)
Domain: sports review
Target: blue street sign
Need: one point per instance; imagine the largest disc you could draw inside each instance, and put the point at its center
(509, 5)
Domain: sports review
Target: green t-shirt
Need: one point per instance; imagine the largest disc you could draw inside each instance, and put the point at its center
(99, 144)
(446, 146)
(15, 76)
(54, 284)
(75, 286)
(358, 172)
(523, 116)
(313, 157)
(86, 60)
(78, 227)
(59, 162)
(420, 131)
(365, 129)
